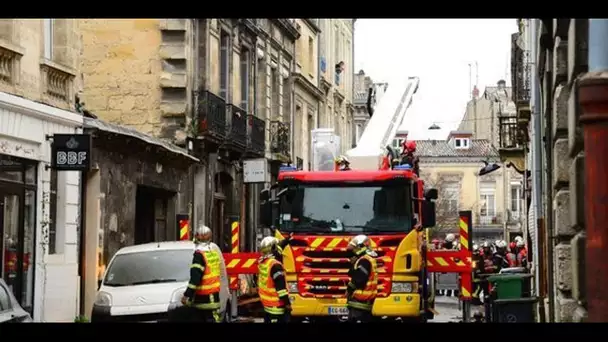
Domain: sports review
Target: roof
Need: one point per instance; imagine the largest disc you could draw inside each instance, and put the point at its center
(130, 132)
(445, 148)
(148, 247)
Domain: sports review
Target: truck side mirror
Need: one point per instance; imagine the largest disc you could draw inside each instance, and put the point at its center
(264, 195)
(431, 194)
(428, 214)
(266, 213)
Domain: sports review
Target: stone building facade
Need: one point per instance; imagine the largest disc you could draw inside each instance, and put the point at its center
(362, 85)
(561, 59)
(308, 95)
(222, 88)
(337, 78)
(39, 208)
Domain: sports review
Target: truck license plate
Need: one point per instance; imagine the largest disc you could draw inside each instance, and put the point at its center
(338, 311)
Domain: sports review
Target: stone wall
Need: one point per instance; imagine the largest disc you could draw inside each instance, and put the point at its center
(565, 47)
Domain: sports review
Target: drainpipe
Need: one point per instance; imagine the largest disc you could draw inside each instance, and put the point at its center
(353, 138)
(292, 115)
(319, 56)
(193, 114)
(536, 148)
(593, 99)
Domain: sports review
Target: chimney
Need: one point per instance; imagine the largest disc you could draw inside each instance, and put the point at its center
(475, 92)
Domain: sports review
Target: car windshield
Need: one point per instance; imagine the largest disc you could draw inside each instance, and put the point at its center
(159, 266)
(347, 208)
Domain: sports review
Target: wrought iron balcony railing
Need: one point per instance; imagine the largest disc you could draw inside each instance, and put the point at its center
(511, 135)
(237, 134)
(489, 218)
(211, 115)
(256, 143)
(279, 138)
(520, 71)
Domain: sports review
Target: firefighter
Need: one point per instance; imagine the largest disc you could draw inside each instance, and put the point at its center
(498, 258)
(408, 157)
(272, 285)
(343, 163)
(512, 255)
(203, 292)
(449, 242)
(477, 270)
(522, 254)
(362, 289)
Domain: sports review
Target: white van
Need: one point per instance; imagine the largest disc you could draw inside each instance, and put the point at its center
(143, 283)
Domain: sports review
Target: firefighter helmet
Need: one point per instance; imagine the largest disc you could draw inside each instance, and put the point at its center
(359, 243)
(518, 238)
(268, 245)
(202, 234)
(410, 146)
(520, 243)
(450, 237)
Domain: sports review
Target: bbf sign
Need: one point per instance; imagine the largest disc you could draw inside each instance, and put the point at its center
(71, 152)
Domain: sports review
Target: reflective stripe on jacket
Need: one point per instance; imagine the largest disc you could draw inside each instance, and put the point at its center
(206, 293)
(363, 298)
(269, 295)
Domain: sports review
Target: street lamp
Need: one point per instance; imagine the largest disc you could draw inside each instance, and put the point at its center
(488, 168)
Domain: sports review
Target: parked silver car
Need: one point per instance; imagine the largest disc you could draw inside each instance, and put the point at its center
(10, 310)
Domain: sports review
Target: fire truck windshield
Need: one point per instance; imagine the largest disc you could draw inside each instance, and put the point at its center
(347, 208)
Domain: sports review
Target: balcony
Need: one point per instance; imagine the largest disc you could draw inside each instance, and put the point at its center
(237, 133)
(211, 117)
(520, 78)
(489, 219)
(256, 141)
(279, 141)
(513, 139)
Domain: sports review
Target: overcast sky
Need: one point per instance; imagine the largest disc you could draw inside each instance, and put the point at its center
(439, 52)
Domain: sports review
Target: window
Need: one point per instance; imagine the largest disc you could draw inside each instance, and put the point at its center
(488, 202)
(515, 200)
(149, 267)
(48, 38)
(367, 208)
(224, 64)
(461, 143)
(245, 68)
(274, 90)
(5, 300)
(53, 213)
(311, 55)
(450, 194)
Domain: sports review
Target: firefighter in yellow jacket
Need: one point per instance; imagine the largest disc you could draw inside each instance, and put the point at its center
(363, 286)
(272, 286)
(203, 292)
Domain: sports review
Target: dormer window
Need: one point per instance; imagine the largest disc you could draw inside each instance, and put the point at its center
(461, 143)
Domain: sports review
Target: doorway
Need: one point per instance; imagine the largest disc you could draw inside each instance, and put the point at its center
(152, 215)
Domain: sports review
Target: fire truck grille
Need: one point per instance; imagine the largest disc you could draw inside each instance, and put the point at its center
(335, 287)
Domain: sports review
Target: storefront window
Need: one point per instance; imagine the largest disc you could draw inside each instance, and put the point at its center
(18, 226)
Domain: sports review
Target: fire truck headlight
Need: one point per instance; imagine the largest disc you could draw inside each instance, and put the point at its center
(176, 297)
(398, 287)
(103, 299)
(292, 287)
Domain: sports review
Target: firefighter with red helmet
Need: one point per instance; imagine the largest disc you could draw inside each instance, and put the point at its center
(408, 157)
(362, 288)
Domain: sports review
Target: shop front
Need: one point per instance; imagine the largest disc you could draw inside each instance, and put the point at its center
(18, 226)
(38, 210)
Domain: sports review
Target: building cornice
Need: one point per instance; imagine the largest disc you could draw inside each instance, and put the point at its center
(307, 85)
(40, 111)
(312, 25)
(288, 28)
